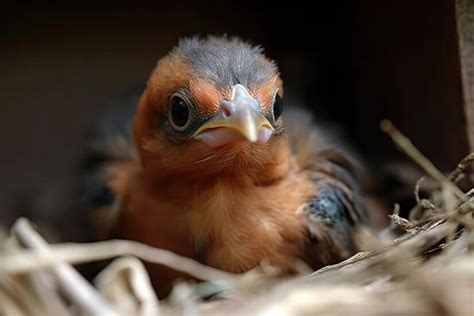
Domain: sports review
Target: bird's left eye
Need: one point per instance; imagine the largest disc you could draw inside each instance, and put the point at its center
(277, 107)
(179, 113)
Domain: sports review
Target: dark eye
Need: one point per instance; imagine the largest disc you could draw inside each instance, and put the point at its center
(180, 113)
(277, 107)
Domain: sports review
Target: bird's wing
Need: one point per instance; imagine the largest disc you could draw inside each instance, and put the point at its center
(109, 160)
(335, 210)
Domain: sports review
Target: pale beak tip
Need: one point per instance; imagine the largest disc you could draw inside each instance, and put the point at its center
(252, 138)
(251, 134)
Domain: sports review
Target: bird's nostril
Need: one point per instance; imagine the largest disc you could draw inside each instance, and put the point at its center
(227, 112)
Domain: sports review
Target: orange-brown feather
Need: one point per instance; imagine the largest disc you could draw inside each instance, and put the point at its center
(170, 73)
(265, 93)
(206, 95)
(230, 222)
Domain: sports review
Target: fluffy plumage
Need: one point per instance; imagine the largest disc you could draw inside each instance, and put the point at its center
(226, 65)
(292, 198)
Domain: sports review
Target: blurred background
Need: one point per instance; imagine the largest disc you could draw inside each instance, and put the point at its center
(353, 62)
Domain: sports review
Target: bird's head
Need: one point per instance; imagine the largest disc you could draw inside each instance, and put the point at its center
(211, 105)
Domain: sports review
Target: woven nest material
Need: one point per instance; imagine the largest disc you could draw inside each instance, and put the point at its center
(429, 270)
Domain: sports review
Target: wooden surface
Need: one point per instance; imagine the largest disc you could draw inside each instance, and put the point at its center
(465, 24)
(405, 67)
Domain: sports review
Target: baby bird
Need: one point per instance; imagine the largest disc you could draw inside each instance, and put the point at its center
(212, 169)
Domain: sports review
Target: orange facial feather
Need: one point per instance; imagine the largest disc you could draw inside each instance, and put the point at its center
(266, 92)
(206, 95)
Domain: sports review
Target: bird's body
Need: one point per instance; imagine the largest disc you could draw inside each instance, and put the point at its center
(229, 222)
(235, 184)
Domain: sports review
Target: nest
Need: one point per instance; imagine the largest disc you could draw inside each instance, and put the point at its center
(428, 270)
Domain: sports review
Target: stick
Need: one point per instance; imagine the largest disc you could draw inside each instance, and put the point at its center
(407, 146)
(75, 287)
(26, 260)
(462, 167)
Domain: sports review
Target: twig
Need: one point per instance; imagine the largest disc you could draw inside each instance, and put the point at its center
(421, 204)
(401, 222)
(409, 238)
(397, 221)
(417, 190)
(358, 257)
(462, 167)
(15, 293)
(75, 287)
(126, 284)
(407, 146)
(49, 298)
(26, 260)
(43, 288)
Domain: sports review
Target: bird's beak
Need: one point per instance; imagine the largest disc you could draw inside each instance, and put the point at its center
(238, 117)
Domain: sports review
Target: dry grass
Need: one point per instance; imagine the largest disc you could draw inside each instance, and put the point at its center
(427, 271)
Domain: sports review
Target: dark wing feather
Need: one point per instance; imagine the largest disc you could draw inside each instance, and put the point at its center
(109, 149)
(335, 211)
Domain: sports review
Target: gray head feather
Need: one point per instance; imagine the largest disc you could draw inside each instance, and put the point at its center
(227, 61)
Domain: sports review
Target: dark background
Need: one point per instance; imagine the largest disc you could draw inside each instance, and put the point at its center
(355, 62)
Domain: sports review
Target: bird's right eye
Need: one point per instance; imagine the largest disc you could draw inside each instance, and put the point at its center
(179, 113)
(277, 107)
